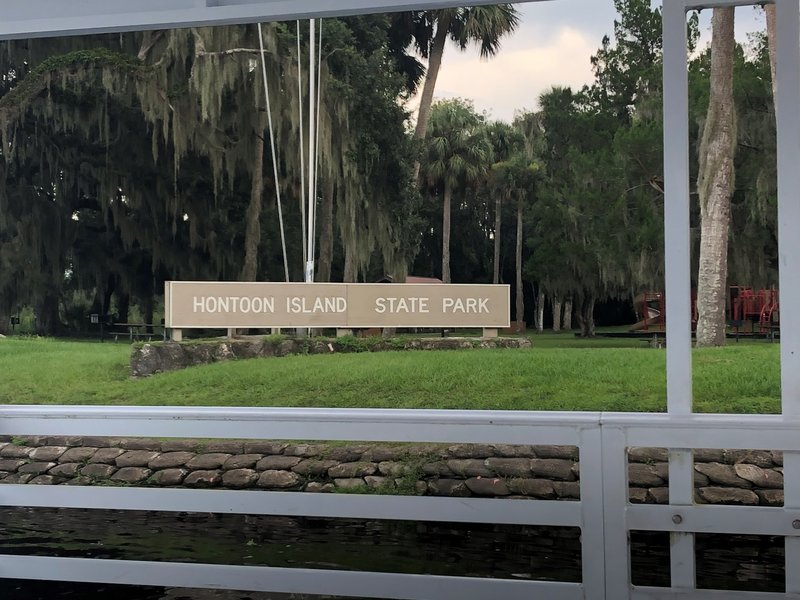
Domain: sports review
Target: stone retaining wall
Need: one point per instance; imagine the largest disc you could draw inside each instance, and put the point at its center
(535, 472)
(159, 357)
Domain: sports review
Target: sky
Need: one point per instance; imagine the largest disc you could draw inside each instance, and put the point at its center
(552, 46)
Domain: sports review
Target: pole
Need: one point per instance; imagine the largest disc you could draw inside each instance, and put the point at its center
(312, 111)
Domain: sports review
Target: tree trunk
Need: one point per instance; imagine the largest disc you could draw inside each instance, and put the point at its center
(5, 321)
(715, 184)
(446, 234)
(426, 97)
(48, 321)
(148, 311)
(350, 269)
(252, 236)
(540, 300)
(556, 314)
(586, 317)
(566, 324)
(520, 304)
(326, 234)
(772, 37)
(498, 206)
(123, 307)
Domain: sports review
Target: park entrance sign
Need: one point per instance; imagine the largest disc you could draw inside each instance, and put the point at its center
(212, 305)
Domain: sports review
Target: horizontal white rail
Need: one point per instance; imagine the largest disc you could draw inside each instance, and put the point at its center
(281, 580)
(654, 593)
(297, 504)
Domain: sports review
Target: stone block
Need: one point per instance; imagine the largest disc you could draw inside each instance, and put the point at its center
(346, 454)
(305, 450)
(550, 451)
(140, 444)
(552, 468)
(276, 463)
(78, 454)
(239, 478)
(80, 480)
(720, 495)
(724, 475)
(65, 470)
(643, 475)
(438, 469)
(511, 451)
(377, 482)
(317, 487)
(70, 441)
(470, 467)
(709, 455)
(203, 479)
(383, 454)
(242, 461)
(313, 467)
(349, 483)
(647, 455)
(759, 458)
(567, 489)
(179, 446)
(17, 478)
(448, 487)
(106, 456)
(170, 460)
(224, 447)
(538, 488)
(98, 471)
(393, 469)
(350, 470)
(36, 468)
(45, 480)
(763, 478)
(777, 457)
(487, 486)
(47, 453)
(136, 458)
(207, 462)
(15, 451)
(101, 442)
(12, 464)
(509, 467)
(770, 497)
(131, 475)
(470, 451)
(659, 495)
(168, 477)
(637, 495)
(278, 480)
(260, 447)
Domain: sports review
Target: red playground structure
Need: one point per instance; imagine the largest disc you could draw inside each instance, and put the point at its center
(750, 312)
(753, 311)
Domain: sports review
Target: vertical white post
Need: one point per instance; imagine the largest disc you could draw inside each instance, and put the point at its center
(677, 253)
(788, 122)
(312, 123)
(676, 210)
(616, 546)
(593, 562)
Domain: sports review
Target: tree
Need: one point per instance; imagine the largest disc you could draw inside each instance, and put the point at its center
(458, 154)
(482, 25)
(716, 183)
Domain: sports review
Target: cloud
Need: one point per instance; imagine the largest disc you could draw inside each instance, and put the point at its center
(515, 78)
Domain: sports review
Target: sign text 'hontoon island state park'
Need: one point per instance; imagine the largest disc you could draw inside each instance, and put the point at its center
(195, 304)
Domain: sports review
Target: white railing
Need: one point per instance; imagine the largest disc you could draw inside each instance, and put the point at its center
(603, 514)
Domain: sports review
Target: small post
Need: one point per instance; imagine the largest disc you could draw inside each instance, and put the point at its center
(275, 331)
(231, 333)
(344, 333)
(176, 335)
(489, 333)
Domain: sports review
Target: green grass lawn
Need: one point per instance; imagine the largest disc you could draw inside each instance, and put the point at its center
(559, 373)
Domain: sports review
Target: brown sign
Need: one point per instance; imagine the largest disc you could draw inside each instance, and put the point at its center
(221, 305)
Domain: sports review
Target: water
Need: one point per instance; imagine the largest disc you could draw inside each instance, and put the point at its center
(512, 552)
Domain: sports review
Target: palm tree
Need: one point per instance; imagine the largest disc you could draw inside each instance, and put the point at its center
(484, 26)
(715, 183)
(457, 153)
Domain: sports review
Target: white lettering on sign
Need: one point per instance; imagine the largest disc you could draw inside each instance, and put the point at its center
(465, 305)
(228, 304)
(298, 305)
(393, 305)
